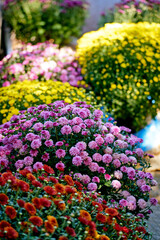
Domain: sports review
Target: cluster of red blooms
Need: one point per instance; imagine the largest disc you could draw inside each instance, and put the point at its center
(41, 194)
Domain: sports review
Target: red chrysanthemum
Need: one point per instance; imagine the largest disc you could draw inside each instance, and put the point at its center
(45, 202)
(49, 227)
(83, 220)
(21, 203)
(70, 189)
(24, 172)
(92, 225)
(79, 185)
(11, 212)
(141, 229)
(62, 238)
(7, 175)
(35, 220)
(37, 203)
(49, 190)
(30, 208)
(69, 180)
(4, 224)
(2, 181)
(37, 183)
(98, 206)
(101, 218)
(11, 233)
(70, 231)
(23, 186)
(54, 180)
(48, 169)
(3, 199)
(30, 177)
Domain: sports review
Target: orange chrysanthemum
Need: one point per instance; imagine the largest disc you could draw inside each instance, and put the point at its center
(110, 220)
(37, 203)
(103, 237)
(60, 188)
(37, 221)
(49, 190)
(93, 233)
(30, 176)
(11, 212)
(60, 204)
(49, 227)
(4, 224)
(3, 199)
(52, 220)
(10, 233)
(30, 208)
(101, 218)
(85, 214)
(89, 238)
(69, 180)
(111, 211)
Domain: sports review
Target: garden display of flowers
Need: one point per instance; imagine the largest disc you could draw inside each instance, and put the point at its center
(73, 139)
(40, 20)
(41, 62)
(133, 11)
(40, 205)
(121, 64)
(21, 95)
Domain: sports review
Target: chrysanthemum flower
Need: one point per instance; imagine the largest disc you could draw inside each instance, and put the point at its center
(35, 220)
(11, 212)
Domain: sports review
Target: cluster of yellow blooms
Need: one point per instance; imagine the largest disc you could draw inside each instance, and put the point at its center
(121, 62)
(21, 95)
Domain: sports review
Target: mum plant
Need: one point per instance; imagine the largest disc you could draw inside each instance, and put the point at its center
(41, 62)
(133, 11)
(121, 64)
(21, 95)
(41, 20)
(74, 139)
(39, 205)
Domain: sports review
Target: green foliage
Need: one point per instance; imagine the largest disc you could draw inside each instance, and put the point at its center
(37, 21)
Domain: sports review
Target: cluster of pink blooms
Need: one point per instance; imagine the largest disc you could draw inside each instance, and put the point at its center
(74, 139)
(43, 61)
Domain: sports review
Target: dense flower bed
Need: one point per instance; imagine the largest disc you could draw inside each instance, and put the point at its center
(121, 63)
(74, 139)
(41, 62)
(40, 20)
(133, 11)
(21, 95)
(41, 206)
